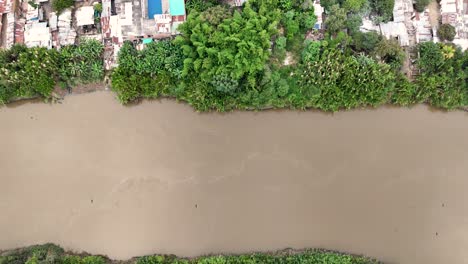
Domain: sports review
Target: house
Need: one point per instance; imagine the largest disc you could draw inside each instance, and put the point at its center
(37, 34)
(318, 11)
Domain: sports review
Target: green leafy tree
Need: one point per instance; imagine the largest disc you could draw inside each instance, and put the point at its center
(200, 5)
(354, 5)
(238, 46)
(383, 9)
(353, 23)
(390, 51)
(446, 32)
(336, 19)
(342, 81)
(60, 5)
(366, 41)
(420, 5)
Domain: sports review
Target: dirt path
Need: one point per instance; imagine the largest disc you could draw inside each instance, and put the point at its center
(434, 13)
(92, 175)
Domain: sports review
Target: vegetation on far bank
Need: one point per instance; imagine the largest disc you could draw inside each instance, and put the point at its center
(52, 254)
(30, 72)
(258, 57)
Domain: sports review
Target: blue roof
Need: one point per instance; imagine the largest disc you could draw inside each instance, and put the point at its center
(154, 8)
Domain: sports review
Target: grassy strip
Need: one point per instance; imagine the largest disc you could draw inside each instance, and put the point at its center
(52, 254)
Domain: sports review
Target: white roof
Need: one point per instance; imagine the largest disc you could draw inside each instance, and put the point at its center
(448, 6)
(37, 35)
(394, 29)
(85, 16)
(53, 21)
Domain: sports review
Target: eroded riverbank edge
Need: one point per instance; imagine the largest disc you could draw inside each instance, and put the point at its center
(53, 254)
(61, 94)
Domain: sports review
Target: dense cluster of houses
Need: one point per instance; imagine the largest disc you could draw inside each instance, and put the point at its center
(455, 13)
(408, 26)
(411, 27)
(33, 23)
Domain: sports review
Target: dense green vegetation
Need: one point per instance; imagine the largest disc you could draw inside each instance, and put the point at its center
(444, 76)
(235, 59)
(29, 72)
(420, 5)
(51, 254)
(60, 5)
(446, 32)
(257, 57)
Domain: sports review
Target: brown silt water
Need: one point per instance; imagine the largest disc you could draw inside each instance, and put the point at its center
(157, 177)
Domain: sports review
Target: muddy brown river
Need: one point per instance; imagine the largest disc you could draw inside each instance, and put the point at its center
(92, 175)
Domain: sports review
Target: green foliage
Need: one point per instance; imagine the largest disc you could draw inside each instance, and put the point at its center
(237, 47)
(420, 5)
(327, 4)
(60, 5)
(390, 51)
(30, 72)
(383, 9)
(82, 63)
(336, 19)
(47, 253)
(98, 8)
(200, 5)
(432, 58)
(353, 23)
(33, 4)
(342, 81)
(354, 5)
(311, 52)
(446, 32)
(233, 59)
(27, 72)
(366, 41)
(291, 23)
(225, 83)
(310, 257)
(148, 73)
(443, 80)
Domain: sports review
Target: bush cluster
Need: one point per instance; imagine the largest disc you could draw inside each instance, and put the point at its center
(30, 72)
(52, 254)
(229, 59)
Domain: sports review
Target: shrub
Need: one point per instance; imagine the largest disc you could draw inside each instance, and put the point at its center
(336, 19)
(238, 47)
(346, 81)
(446, 32)
(390, 51)
(420, 5)
(60, 5)
(383, 9)
(82, 63)
(366, 41)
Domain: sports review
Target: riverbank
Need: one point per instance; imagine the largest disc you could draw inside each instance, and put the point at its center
(52, 254)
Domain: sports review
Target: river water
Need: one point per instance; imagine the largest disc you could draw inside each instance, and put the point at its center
(90, 174)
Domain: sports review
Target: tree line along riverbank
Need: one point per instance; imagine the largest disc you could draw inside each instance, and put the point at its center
(263, 55)
(52, 254)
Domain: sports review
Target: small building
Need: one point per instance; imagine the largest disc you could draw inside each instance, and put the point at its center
(168, 14)
(37, 34)
(318, 11)
(84, 16)
(396, 30)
